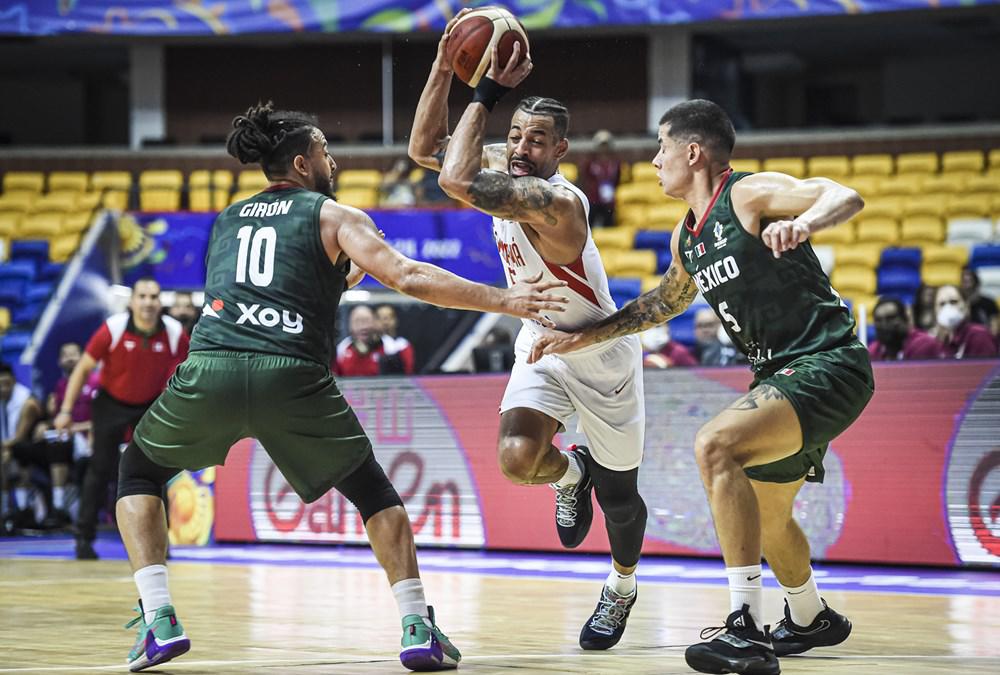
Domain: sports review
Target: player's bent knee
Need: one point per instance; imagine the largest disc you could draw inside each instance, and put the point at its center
(369, 489)
(139, 475)
(518, 458)
(711, 451)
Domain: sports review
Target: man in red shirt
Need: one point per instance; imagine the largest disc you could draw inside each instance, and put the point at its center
(138, 350)
(368, 352)
(399, 354)
(895, 337)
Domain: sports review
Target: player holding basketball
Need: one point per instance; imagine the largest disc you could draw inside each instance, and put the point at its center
(744, 245)
(277, 264)
(540, 227)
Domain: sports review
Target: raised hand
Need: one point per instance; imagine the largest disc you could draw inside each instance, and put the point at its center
(529, 299)
(784, 235)
(441, 61)
(514, 72)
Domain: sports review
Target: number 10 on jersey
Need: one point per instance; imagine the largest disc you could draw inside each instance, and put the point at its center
(256, 255)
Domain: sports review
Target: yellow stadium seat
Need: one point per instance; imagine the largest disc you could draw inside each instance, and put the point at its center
(621, 238)
(941, 273)
(209, 190)
(878, 230)
(995, 206)
(63, 247)
(638, 192)
(745, 165)
(651, 281)
(55, 202)
(945, 183)
(900, 186)
(793, 166)
(917, 162)
(240, 195)
(988, 182)
(944, 253)
(841, 234)
(88, 201)
(857, 255)
(23, 181)
(925, 205)
(993, 159)
(69, 181)
(833, 166)
(631, 214)
(359, 198)
(883, 207)
(666, 215)
(569, 171)
(251, 180)
(629, 263)
(969, 206)
(862, 302)
(643, 172)
(111, 180)
(963, 160)
(115, 200)
(866, 186)
(920, 230)
(161, 180)
(852, 280)
(74, 223)
(871, 165)
(40, 226)
(159, 200)
(4, 319)
(359, 178)
(16, 202)
(9, 222)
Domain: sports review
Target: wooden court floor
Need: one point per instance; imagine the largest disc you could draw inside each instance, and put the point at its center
(60, 616)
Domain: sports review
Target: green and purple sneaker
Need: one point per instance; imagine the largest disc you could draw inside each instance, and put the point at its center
(156, 642)
(426, 647)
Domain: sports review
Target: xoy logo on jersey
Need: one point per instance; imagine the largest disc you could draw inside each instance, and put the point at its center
(255, 315)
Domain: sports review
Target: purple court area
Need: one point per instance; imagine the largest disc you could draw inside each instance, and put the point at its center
(927, 581)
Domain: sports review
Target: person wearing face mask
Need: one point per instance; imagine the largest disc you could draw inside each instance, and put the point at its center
(895, 337)
(961, 338)
(662, 352)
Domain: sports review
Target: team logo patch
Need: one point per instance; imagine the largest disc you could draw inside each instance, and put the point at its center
(786, 372)
(700, 249)
(217, 305)
(690, 254)
(720, 241)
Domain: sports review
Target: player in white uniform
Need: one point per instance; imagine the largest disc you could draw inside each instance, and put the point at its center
(540, 227)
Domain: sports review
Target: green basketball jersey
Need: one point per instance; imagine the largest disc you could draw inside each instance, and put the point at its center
(774, 309)
(269, 285)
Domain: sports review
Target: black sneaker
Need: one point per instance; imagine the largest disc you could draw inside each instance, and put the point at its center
(741, 649)
(57, 519)
(85, 550)
(607, 623)
(826, 630)
(574, 508)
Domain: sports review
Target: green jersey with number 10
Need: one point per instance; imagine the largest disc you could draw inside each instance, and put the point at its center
(269, 285)
(774, 309)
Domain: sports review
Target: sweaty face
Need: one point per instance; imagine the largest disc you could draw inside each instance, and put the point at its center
(145, 302)
(672, 162)
(533, 148)
(321, 165)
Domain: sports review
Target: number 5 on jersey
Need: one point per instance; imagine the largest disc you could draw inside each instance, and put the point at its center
(256, 255)
(729, 318)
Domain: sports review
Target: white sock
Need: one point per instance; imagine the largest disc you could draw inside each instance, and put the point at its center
(574, 472)
(745, 588)
(804, 602)
(21, 498)
(59, 498)
(409, 595)
(40, 508)
(622, 584)
(152, 584)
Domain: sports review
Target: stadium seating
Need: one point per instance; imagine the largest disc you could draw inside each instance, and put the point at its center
(569, 171)
(23, 181)
(872, 165)
(835, 167)
(160, 190)
(971, 160)
(69, 181)
(751, 165)
(114, 187)
(917, 163)
(793, 166)
(209, 190)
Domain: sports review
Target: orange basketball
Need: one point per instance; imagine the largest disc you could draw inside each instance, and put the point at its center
(473, 38)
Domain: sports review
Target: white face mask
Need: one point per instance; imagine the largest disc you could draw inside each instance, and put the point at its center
(950, 316)
(655, 339)
(724, 337)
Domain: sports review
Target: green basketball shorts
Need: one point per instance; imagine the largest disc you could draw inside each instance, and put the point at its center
(828, 390)
(292, 406)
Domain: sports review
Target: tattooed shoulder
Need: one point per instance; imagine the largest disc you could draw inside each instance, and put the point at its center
(751, 401)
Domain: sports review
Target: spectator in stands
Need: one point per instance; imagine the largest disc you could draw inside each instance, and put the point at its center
(600, 175)
(895, 337)
(184, 311)
(659, 351)
(139, 350)
(961, 338)
(396, 188)
(19, 412)
(362, 352)
(398, 355)
(495, 354)
(712, 346)
(428, 192)
(982, 309)
(923, 308)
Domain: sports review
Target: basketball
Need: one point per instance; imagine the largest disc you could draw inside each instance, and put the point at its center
(474, 37)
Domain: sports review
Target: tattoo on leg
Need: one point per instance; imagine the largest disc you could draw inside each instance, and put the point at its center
(765, 392)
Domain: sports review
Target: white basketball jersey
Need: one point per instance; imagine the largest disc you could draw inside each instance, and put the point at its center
(587, 283)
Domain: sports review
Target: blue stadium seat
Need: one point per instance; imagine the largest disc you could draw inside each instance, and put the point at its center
(11, 292)
(663, 259)
(898, 281)
(900, 257)
(18, 269)
(10, 356)
(624, 290)
(15, 341)
(51, 271)
(27, 314)
(34, 250)
(985, 256)
(682, 326)
(654, 239)
(38, 292)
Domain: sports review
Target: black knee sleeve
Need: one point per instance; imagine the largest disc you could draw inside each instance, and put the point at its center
(139, 475)
(369, 489)
(624, 511)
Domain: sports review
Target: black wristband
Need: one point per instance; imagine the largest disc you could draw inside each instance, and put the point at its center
(488, 92)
